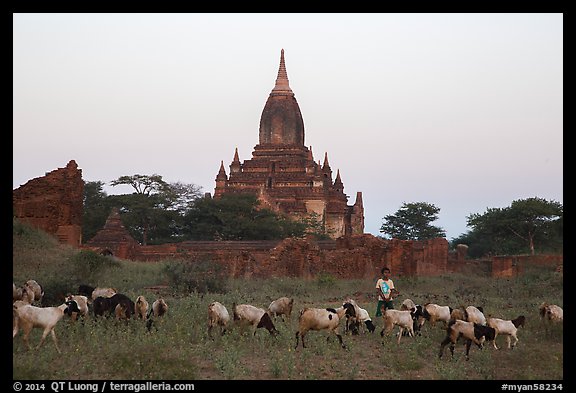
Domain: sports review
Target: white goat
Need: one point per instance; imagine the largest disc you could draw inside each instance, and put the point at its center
(281, 306)
(37, 289)
(551, 313)
(470, 331)
(22, 293)
(29, 317)
(361, 317)
(218, 316)
(506, 327)
(82, 302)
(364, 318)
(476, 315)
(321, 319)
(404, 319)
(103, 292)
(141, 307)
(256, 317)
(407, 304)
(433, 312)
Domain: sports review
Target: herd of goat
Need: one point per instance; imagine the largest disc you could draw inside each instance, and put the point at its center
(468, 323)
(26, 315)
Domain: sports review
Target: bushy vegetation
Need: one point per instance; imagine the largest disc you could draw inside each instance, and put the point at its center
(202, 276)
(181, 349)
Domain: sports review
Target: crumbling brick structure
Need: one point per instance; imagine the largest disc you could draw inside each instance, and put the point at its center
(53, 203)
(114, 239)
(353, 256)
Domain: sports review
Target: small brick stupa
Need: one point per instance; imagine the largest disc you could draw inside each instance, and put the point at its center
(114, 239)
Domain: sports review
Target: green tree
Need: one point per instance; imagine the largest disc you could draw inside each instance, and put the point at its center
(412, 222)
(154, 212)
(237, 217)
(96, 208)
(520, 227)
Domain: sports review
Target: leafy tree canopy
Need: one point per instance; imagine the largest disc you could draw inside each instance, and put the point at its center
(523, 227)
(412, 222)
(237, 217)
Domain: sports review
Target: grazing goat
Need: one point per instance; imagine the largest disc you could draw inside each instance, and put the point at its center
(476, 315)
(110, 304)
(470, 331)
(247, 314)
(404, 319)
(352, 321)
(103, 292)
(361, 317)
(22, 293)
(28, 317)
(218, 316)
(36, 288)
(82, 302)
(417, 316)
(101, 305)
(322, 319)
(407, 304)
(159, 308)
(141, 307)
(551, 313)
(506, 327)
(122, 305)
(459, 313)
(282, 306)
(433, 312)
(364, 317)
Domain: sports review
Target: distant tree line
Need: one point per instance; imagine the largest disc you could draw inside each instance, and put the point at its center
(158, 212)
(527, 226)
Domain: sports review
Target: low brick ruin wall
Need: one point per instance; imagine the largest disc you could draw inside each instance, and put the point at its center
(356, 256)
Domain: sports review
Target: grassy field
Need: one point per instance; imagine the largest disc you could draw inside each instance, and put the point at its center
(180, 348)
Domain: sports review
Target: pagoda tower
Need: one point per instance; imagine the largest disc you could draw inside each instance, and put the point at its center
(283, 173)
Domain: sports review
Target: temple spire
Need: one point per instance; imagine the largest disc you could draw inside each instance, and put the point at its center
(338, 185)
(222, 172)
(235, 167)
(282, 85)
(359, 199)
(326, 165)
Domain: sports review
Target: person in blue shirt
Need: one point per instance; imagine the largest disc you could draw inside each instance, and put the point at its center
(386, 291)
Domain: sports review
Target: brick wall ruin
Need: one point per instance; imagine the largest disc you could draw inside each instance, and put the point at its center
(355, 256)
(53, 203)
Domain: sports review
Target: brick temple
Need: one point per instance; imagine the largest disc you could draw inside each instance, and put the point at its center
(284, 174)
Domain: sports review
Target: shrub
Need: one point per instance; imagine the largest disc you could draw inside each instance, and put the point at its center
(203, 276)
(325, 280)
(88, 265)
